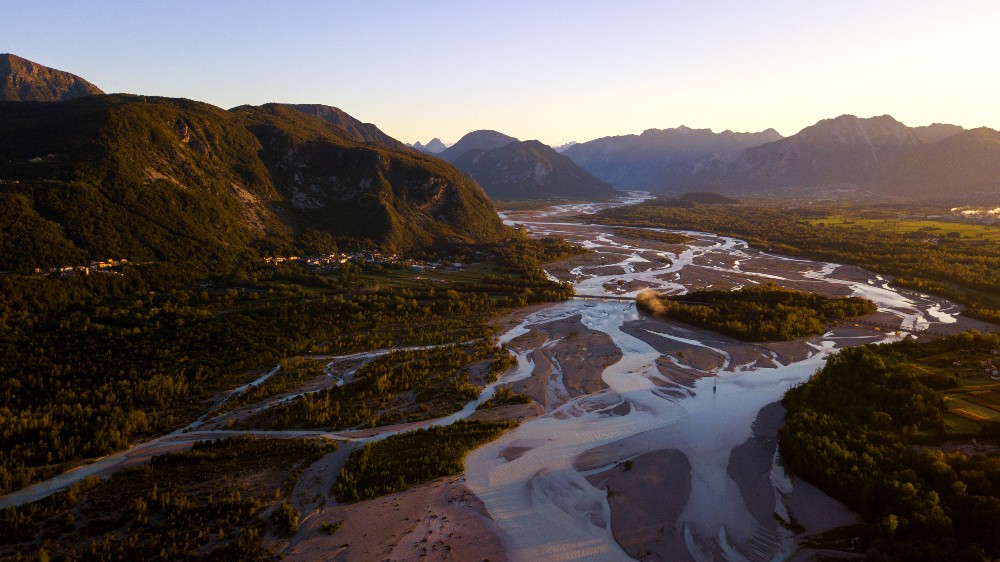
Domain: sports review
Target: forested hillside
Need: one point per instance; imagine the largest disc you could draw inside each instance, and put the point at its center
(159, 179)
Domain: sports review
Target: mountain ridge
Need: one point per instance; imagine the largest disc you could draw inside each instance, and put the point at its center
(483, 139)
(162, 179)
(879, 156)
(25, 80)
(530, 170)
(657, 159)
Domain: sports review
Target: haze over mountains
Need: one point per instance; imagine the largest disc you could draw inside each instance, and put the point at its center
(530, 170)
(508, 168)
(878, 155)
(660, 158)
(99, 176)
(433, 147)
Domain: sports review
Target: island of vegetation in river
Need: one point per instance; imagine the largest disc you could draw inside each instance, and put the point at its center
(876, 429)
(400, 461)
(957, 260)
(761, 313)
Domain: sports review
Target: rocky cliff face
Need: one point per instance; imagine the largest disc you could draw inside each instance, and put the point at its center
(24, 80)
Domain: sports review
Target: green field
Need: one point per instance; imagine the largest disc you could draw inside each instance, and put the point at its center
(974, 400)
(930, 228)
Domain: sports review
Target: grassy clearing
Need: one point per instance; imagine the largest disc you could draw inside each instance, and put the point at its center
(972, 402)
(928, 227)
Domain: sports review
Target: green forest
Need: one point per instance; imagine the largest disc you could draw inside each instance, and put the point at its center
(92, 363)
(865, 429)
(208, 503)
(407, 459)
(963, 269)
(761, 313)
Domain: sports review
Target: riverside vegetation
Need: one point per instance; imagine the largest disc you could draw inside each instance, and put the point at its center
(209, 503)
(764, 313)
(401, 461)
(866, 430)
(402, 386)
(89, 364)
(961, 268)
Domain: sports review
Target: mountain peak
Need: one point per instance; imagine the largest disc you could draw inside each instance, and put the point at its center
(529, 170)
(435, 146)
(483, 139)
(25, 80)
(348, 127)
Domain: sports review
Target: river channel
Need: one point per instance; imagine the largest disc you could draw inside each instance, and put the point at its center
(659, 440)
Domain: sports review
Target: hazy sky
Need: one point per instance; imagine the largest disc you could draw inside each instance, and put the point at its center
(553, 71)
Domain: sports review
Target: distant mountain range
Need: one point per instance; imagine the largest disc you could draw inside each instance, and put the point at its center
(160, 179)
(433, 147)
(508, 168)
(23, 80)
(878, 157)
(660, 159)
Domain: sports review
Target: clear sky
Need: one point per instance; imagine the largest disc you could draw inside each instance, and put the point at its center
(550, 70)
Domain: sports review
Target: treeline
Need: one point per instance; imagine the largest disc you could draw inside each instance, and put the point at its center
(89, 364)
(966, 270)
(763, 313)
(401, 386)
(401, 461)
(851, 431)
(204, 504)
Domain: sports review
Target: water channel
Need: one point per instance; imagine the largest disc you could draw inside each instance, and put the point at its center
(673, 456)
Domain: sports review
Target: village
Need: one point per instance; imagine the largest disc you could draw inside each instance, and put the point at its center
(326, 263)
(107, 267)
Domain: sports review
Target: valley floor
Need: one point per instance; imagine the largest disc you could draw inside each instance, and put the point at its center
(645, 438)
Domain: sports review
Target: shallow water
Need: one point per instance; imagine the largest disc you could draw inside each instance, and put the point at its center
(547, 508)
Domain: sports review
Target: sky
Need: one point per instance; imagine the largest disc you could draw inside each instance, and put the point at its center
(556, 71)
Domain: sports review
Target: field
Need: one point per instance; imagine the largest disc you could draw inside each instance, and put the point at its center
(974, 400)
(913, 226)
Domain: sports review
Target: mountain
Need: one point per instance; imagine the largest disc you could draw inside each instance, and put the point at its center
(530, 170)
(476, 140)
(877, 155)
(23, 80)
(433, 147)
(563, 147)
(659, 158)
(350, 128)
(159, 179)
(958, 168)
